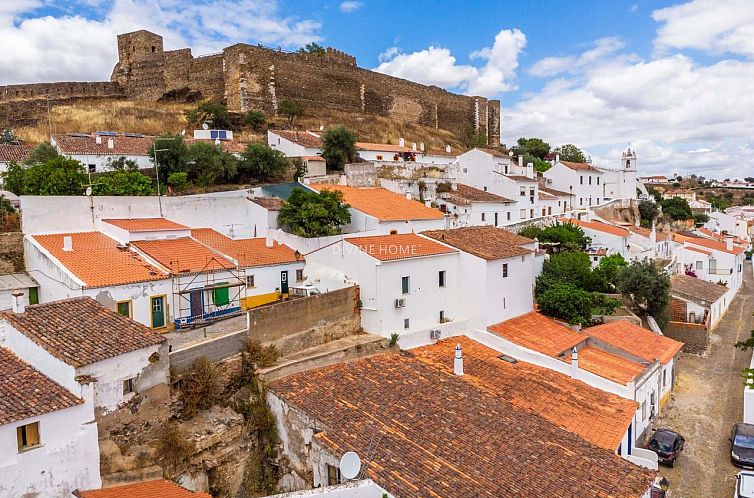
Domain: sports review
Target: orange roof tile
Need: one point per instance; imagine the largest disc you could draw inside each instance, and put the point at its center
(147, 489)
(14, 152)
(708, 243)
(383, 204)
(304, 138)
(580, 166)
(248, 252)
(399, 246)
(486, 242)
(466, 194)
(597, 416)
(539, 333)
(145, 224)
(698, 249)
(637, 340)
(608, 365)
(597, 226)
(87, 144)
(97, 260)
(182, 255)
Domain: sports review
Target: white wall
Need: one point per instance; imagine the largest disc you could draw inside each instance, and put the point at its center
(748, 417)
(289, 148)
(563, 178)
(101, 162)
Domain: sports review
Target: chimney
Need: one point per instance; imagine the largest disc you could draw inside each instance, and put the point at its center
(521, 161)
(110, 143)
(18, 305)
(98, 139)
(413, 145)
(401, 142)
(68, 243)
(268, 239)
(530, 170)
(574, 359)
(557, 158)
(458, 361)
(428, 203)
(408, 195)
(448, 149)
(421, 146)
(729, 242)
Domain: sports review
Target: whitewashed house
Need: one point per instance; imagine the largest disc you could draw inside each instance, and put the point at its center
(697, 301)
(621, 183)
(78, 341)
(610, 237)
(582, 180)
(724, 223)
(10, 153)
(48, 438)
(95, 151)
(17, 290)
(469, 206)
(711, 260)
(498, 272)
(409, 284)
(477, 168)
(295, 143)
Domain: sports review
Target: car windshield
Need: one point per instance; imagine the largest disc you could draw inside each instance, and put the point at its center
(744, 441)
(661, 445)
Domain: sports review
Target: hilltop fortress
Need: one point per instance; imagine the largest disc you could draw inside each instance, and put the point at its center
(247, 77)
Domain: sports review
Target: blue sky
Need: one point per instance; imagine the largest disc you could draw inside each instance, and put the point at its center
(670, 77)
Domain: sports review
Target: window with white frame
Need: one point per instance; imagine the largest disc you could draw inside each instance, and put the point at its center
(405, 285)
(249, 281)
(505, 270)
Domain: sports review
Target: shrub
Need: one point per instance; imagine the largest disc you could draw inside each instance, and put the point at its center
(178, 181)
(648, 211)
(173, 447)
(261, 356)
(200, 387)
(255, 120)
(338, 146)
(568, 303)
(394, 339)
(291, 110)
(262, 162)
(308, 214)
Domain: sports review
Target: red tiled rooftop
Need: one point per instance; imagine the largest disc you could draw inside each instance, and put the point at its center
(539, 333)
(383, 204)
(716, 245)
(248, 252)
(608, 365)
(637, 340)
(597, 226)
(148, 489)
(97, 260)
(399, 246)
(182, 255)
(122, 145)
(486, 242)
(145, 224)
(304, 138)
(14, 152)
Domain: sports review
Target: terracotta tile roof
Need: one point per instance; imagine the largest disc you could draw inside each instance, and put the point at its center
(80, 331)
(539, 333)
(494, 152)
(644, 232)
(696, 289)
(304, 138)
(269, 203)
(486, 242)
(556, 193)
(637, 340)
(546, 196)
(697, 249)
(597, 226)
(146, 224)
(466, 194)
(14, 152)
(718, 236)
(147, 489)
(399, 246)
(97, 261)
(182, 255)
(248, 252)
(520, 178)
(597, 416)
(708, 243)
(442, 436)
(25, 392)
(383, 204)
(607, 365)
(313, 158)
(383, 147)
(230, 146)
(580, 166)
(122, 145)
(440, 153)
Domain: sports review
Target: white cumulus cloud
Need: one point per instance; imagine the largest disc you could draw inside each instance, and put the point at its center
(350, 6)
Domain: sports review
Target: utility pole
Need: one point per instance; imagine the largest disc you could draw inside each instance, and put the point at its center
(157, 170)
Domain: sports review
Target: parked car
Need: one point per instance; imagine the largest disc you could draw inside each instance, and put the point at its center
(303, 291)
(744, 485)
(667, 444)
(742, 445)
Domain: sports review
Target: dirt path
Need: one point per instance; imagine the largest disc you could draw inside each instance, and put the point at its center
(707, 401)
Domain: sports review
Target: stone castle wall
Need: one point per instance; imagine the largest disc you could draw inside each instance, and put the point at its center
(11, 93)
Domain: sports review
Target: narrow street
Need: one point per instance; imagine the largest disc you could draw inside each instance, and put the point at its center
(707, 401)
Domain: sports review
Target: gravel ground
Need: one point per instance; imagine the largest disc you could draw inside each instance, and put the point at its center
(707, 401)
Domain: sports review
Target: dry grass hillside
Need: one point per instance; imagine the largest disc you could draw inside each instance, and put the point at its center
(153, 118)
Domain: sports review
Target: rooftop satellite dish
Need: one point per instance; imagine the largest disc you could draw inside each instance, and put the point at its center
(205, 126)
(350, 465)
(88, 191)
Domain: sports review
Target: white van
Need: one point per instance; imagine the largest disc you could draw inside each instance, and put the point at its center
(744, 484)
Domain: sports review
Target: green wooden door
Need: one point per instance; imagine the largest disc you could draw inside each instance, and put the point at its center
(158, 311)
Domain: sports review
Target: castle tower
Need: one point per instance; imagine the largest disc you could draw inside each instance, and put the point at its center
(628, 160)
(138, 45)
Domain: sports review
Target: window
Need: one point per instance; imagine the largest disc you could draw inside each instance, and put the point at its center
(465, 170)
(531, 213)
(595, 258)
(523, 191)
(249, 281)
(581, 201)
(129, 386)
(333, 475)
(544, 211)
(549, 209)
(664, 378)
(504, 303)
(508, 216)
(699, 265)
(441, 278)
(531, 192)
(590, 180)
(393, 232)
(299, 275)
(92, 168)
(598, 180)
(581, 180)
(523, 214)
(28, 436)
(483, 218)
(34, 294)
(405, 285)
(123, 308)
(406, 323)
(442, 316)
(379, 158)
(505, 270)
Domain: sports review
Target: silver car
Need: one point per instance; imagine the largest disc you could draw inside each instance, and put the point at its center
(744, 484)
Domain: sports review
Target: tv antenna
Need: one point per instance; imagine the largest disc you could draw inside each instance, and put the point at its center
(350, 465)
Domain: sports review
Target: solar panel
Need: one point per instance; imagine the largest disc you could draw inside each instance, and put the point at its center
(133, 135)
(107, 133)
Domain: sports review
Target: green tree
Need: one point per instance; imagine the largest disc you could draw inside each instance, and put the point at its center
(606, 272)
(122, 182)
(41, 154)
(676, 208)
(560, 237)
(178, 181)
(216, 115)
(648, 211)
(262, 162)
(312, 48)
(58, 176)
(572, 268)
(308, 214)
(172, 155)
(570, 152)
(255, 119)
(8, 137)
(209, 164)
(648, 287)
(533, 146)
(472, 138)
(291, 110)
(566, 302)
(338, 146)
(121, 164)
(701, 219)
(299, 168)
(13, 178)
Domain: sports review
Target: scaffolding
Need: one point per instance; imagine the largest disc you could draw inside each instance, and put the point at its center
(199, 299)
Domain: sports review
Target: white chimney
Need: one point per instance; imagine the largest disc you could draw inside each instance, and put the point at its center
(448, 149)
(110, 143)
(268, 241)
(98, 139)
(521, 161)
(530, 170)
(68, 243)
(557, 158)
(17, 297)
(458, 361)
(421, 146)
(729, 242)
(401, 142)
(574, 359)
(413, 145)
(428, 203)
(408, 195)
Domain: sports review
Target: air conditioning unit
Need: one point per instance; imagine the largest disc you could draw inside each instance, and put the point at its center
(435, 334)
(400, 303)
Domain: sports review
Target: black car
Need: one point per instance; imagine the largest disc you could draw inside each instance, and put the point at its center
(742, 445)
(667, 444)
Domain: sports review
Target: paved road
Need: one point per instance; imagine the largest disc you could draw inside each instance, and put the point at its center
(707, 401)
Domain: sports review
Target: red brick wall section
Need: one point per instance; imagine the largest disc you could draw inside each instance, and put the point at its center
(678, 310)
(694, 336)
